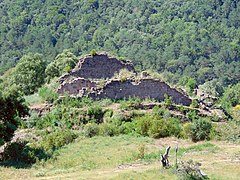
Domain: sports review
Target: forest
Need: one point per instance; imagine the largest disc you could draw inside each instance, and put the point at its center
(179, 38)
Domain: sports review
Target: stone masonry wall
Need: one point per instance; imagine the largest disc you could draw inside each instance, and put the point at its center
(99, 66)
(102, 66)
(145, 88)
(75, 87)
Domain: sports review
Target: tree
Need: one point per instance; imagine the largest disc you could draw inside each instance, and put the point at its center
(191, 84)
(13, 107)
(63, 63)
(29, 73)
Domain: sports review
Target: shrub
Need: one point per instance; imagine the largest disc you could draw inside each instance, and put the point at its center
(91, 129)
(158, 111)
(191, 84)
(200, 129)
(189, 170)
(143, 123)
(124, 74)
(168, 100)
(108, 129)
(141, 151)
(186, 131)
(12, 109)
(47, 94)
(229, 131)
(93, 52)
(164, 127)
(194, 104)
(57, 139)
(192, 115)
(96, 113)
(21, 152)
(127, 128)
(63, 63)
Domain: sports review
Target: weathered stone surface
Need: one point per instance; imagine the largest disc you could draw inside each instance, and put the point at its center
(90, 70)
(99, 66)
(78, 86)
(145, 88)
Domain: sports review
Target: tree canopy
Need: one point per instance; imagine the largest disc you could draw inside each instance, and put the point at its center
(198, 39)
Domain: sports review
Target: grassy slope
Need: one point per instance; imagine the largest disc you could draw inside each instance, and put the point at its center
(115, 158)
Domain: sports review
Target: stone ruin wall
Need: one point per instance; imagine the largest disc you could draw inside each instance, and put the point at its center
(100, 66)
(78, 86)
(146, 88)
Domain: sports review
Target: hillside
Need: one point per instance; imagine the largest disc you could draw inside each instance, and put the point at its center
(181, 38)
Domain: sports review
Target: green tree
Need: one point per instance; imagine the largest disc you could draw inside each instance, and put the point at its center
(200, 129)
(29, 73)
(13, 107)
(63, 63)
(191, 84)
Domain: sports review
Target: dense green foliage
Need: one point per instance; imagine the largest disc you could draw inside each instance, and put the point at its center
(12, 109)
(29, 73)
(63, 63)
(198, 39)
(200, 129)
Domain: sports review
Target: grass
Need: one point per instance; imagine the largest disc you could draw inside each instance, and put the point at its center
(33, 99)
(116, 158)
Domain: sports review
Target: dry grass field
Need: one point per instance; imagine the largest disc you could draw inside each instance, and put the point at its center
(118, 158)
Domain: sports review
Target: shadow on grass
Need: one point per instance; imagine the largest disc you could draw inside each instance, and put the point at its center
(20, 155)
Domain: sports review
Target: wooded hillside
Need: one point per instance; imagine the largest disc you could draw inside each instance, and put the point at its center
(198, 38)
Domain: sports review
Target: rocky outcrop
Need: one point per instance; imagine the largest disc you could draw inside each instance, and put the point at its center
(145, 88)
(100, 66)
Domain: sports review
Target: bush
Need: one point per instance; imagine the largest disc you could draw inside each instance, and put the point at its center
(93, 52)
(57, 139)
(12, 109)
(21, 152)
(194, 104)
(124, 74)
(91, 129)
(127, 128)
(186, 131)
(47, 94)
(189, 170)
(108, 129)
(158, 111)
(165, 127)
(229, 131)
(200, 129)
(143, 123)
(96, 113)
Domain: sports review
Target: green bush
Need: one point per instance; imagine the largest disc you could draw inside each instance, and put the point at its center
(108, 129)
(91, 129)
(200, 129)
(93, 52)
(96, 113)
(143, 123)
(57, 139)
(229, 131)
(158, 111)
(186, 131)
(127, 128)
(12, 109)
(164, 127)
(194, 104)
(47, 94)
(22, 153)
